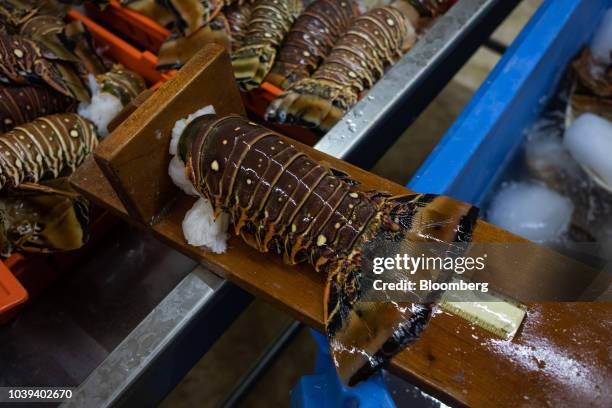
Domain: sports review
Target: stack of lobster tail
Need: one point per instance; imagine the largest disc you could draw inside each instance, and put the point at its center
(270, 22)
(374, 41)
(311, 39)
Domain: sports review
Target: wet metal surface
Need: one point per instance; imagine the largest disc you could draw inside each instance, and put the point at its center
(60, 338)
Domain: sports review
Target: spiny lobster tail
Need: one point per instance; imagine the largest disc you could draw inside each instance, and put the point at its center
(178, 49)
(364, 334)
(373, 42)
(311, 39)
(282, 201)
(312, 103)
(49, 146)
(191, 15)
(124, 84)
(238, 16)
(270, 22)
(62, 218)
(23, 63)
(22, 104)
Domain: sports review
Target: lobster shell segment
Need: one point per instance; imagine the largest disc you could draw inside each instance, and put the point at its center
(49, 146)
(281, 200)
(22, 62)
(270, 22)
(311, 39)
(431, 8)
(238, 16)
(46, 217)
(374, 41)
(23, 104)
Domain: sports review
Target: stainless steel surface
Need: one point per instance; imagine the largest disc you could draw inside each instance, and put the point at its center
(372, 125)
(60, 337)
(146, 342)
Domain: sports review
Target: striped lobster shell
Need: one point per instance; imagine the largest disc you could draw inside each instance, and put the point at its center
(375, 40)
(178, 49)
(311, 39)
(23, 63)
(281, 200)
(49, 146)
(238, 16)
(270, 22)
(23, 104)
(122, 83)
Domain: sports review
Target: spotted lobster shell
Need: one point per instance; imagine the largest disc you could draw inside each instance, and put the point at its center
(311, 39)
(270, 22)
(22, 62)
(238, 16)
(374, 41)
(23, 104)
(46, 217)
(281, 200)
(49, 146)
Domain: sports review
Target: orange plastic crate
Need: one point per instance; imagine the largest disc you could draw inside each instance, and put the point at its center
(119, 50)
(12, 294)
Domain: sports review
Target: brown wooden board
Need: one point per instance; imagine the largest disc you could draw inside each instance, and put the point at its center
(561, 355)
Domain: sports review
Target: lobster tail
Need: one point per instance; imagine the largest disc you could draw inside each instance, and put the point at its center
(178, 49)
(365, 334)
(280, 200)
(61, 218)
(311, 39)
(312, 103)
(270, 22)
(252, 63)
(23, 104)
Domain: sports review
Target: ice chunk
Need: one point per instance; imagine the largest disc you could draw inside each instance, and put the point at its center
(589, 141)
(180, 125)
(201, 229)
(102, 108)
(601, 46)
(178, 176)
(531, 211)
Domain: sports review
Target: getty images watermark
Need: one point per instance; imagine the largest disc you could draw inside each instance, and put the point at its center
(404, 269)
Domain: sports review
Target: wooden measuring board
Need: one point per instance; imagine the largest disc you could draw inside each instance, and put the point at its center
(559, 356)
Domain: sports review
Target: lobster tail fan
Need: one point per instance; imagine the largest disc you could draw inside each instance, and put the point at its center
(312, 103)
(178, 49)
(252, 63)
(364, 333)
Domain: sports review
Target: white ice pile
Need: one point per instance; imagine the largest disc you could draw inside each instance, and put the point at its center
(601, 46)
(531, 210)
(102, 108)
(199, 226)
(589, 141)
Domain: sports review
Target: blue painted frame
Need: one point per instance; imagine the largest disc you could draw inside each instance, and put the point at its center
(476, 149)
